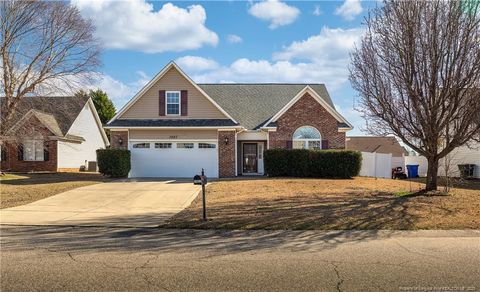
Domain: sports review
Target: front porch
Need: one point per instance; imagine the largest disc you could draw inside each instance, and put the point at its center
(250, 157)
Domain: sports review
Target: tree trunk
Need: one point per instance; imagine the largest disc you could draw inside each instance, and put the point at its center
(432, 174)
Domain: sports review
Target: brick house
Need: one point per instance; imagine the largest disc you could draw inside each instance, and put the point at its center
(174, 127)
(57, 133)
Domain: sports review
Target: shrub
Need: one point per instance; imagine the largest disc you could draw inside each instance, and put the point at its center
(113, 162)
(312, 163)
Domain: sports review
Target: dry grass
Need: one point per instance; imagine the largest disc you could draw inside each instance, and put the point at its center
(22, 189)
(360, 203)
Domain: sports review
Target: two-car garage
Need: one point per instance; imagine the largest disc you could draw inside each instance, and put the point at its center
(173, 158)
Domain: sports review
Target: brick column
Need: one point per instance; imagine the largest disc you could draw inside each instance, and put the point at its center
(115, 137)
(226, 153)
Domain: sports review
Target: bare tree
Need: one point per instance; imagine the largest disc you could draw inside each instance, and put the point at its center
(417, 71)
(45, 45)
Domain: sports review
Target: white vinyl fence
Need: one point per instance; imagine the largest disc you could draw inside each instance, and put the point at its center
(376, 165)
(380, 165)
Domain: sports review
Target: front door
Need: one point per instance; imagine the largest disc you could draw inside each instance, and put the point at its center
(250, 163)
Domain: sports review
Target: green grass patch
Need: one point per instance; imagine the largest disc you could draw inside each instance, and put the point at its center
(405, 194)
(8, 176)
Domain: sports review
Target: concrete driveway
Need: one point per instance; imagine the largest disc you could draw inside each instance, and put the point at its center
(129, 204)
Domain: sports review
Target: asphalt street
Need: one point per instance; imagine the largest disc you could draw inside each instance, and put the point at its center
(148, 259)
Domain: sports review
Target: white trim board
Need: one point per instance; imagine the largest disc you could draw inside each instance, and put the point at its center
(158, 77)
(318, 98)
(179, 103)
(220, 128)
(173, 140)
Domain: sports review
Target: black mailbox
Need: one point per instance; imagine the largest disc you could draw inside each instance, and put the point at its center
(197, 179)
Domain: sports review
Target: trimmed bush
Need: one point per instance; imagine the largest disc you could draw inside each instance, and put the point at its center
(113, 162)
(312, 163)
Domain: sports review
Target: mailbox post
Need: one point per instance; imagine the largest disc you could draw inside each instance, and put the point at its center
(202, 180)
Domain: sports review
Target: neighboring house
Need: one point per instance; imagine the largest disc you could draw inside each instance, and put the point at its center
(52, 134)
(383, 145)
(467, 154)
(175, 127)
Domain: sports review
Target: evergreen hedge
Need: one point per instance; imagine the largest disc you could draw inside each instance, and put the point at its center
(312, 163)
(114, 162)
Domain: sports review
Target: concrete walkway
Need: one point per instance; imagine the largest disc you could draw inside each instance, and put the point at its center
(128, 204)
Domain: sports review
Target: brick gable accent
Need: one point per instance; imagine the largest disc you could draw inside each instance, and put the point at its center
(226, 154)
(307, 112)
(115, 137)
(11, 147)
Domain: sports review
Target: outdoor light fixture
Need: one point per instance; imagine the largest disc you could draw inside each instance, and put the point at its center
(120, 141)
(226, 140)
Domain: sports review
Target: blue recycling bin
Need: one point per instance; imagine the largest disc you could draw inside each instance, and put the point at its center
(412, 170)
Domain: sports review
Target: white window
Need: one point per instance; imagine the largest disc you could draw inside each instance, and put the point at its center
(307, 137)
(33, 150)
(163, 145)
(141, 145)
(172, 103)
(185, 145)
(206, 145)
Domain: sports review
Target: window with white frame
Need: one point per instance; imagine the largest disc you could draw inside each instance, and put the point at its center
(307, 137)
(206, 145)
(141, 145)
(185, 145)
(163, 145)
(172, 103)
(33, 150)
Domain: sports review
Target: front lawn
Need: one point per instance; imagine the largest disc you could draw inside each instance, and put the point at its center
(22, 189)
(359, 203)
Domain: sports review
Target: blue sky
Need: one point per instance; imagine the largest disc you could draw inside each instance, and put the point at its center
(229, 41)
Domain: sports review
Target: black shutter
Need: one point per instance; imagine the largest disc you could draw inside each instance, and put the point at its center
(20, 152)
(4, 153)
(184, 102)
(46, 152)
(324, 144)
(161, 102)
(289, 144)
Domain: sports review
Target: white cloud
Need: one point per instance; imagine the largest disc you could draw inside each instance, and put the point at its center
(119, 92)
(322, 58)
(317, 11)
(349, 9)
(246, 70)
(234, 39)
(330, 46)
(195, 63)
(274, 11)
(135, 25)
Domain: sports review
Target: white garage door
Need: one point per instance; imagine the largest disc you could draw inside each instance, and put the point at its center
(173, 158)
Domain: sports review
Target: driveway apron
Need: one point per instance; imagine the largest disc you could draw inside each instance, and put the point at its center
(126, 203)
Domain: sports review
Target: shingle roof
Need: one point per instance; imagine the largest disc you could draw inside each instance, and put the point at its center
(49, 121)
(58, 112)
(173, 123)
(376, 144)
(252, 105)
